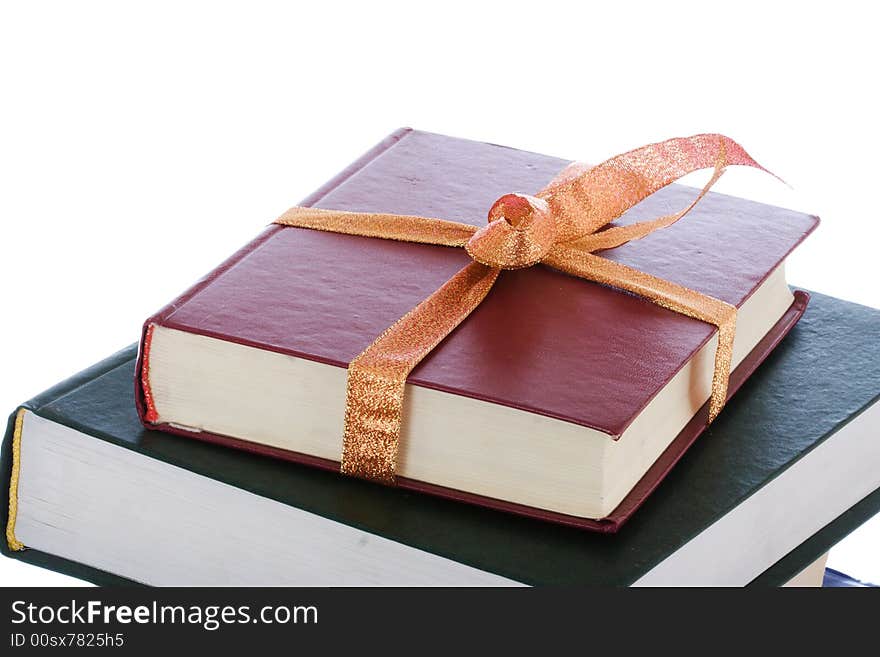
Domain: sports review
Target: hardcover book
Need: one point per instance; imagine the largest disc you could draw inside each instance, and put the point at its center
(556, 398)
(787, 470)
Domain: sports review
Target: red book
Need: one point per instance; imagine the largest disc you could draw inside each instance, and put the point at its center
(557, 398)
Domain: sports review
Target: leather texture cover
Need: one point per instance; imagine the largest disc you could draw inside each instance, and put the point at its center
(580, 352)
(829, 362)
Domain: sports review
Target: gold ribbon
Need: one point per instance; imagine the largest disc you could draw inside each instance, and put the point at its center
(560, 228)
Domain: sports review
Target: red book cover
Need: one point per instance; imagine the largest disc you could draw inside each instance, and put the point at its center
(579, 352)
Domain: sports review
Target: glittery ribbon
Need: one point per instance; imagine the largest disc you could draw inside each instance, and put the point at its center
(560, 228)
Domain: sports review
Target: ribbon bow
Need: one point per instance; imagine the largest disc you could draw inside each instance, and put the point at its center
(558, 227)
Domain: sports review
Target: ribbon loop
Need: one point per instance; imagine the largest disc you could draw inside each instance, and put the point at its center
(583, 199)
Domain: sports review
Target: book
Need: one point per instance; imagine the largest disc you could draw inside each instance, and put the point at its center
(835, 579)
(771, 486)
(557, 398)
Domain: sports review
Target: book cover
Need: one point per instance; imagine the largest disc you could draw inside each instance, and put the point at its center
(580, 352)
(828, 363)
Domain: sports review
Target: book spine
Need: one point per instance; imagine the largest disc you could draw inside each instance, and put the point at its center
(16, 422)
(9, 453)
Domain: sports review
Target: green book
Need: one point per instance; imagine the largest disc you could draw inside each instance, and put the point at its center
(788, 469)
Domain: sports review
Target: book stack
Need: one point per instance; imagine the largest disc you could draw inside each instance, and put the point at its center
(560, 435)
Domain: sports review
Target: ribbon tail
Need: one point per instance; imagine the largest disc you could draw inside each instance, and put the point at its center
(377, 377)
(666, 294)
(619, 235)
(585, 200)
(402, 227)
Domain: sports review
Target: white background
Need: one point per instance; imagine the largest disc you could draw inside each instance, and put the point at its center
(142, 143)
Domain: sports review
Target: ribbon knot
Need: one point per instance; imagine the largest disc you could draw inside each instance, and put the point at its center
(562, 226)
(520, 232)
